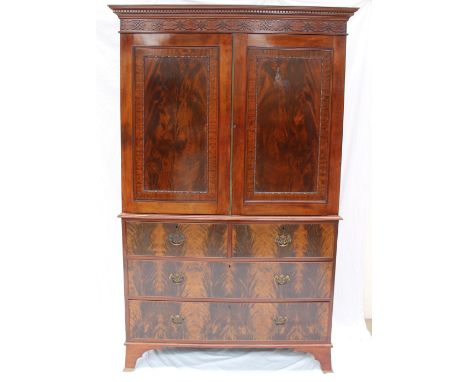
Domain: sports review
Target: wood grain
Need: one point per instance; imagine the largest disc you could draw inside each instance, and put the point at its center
(228, 321)
(307, 240)
(231, 180)
(287, 146)
(284, 99)
(288, 105)
(232, 19)
(154, 239)
(176, 108)
(176, 132)
(198, 279)
(176, 103)
(229, 218)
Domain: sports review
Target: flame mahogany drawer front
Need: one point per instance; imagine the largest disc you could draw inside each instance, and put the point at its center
(145, 238)
(176, 239)
(209, 321)
(214, 279)
(283, 240)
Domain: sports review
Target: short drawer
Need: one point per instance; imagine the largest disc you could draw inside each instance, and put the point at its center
(215, 279)
(175, 239)
(284, 240)
(222, 321)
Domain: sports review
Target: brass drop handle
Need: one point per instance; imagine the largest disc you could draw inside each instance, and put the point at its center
(177, 319)
(284, 239)
(281, 279)
(177, 238)
(177, 278)
(280, 320)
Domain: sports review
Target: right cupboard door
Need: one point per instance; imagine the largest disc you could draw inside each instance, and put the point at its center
(288, 110)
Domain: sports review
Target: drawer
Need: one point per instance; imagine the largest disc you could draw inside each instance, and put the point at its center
(284, 240)
(175, 239)
(215, 279)
(223, 321)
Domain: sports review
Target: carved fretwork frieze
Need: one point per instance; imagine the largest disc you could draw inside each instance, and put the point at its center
(210, 25)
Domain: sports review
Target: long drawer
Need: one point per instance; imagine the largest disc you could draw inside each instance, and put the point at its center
(267, 240)
(206, 321)
(216, 279)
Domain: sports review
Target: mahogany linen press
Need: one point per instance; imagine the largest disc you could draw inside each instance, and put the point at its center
(231, 130)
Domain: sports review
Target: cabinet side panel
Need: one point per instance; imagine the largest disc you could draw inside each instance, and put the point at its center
(126, 118)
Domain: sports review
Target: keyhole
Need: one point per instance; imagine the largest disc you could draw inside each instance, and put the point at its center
(277, 77)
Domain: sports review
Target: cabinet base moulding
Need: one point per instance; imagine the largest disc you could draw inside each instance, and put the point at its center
(321, 352)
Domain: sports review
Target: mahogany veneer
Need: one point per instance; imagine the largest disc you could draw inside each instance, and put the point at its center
(154, 239)
(222, 321)
(231, 148)
(215, 279)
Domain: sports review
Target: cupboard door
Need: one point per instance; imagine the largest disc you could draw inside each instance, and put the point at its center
(288, 105)
(176, 155)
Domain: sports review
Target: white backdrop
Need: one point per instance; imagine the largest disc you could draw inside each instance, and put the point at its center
(355, 198)
(61, 281)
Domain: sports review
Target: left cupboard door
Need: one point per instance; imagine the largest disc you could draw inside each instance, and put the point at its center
(176, 123)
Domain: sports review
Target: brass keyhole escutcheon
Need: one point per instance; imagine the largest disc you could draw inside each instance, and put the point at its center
(284, 238)
(177, 319)
(177, 238)
(282, 279)
(280, 320)
(177, 278)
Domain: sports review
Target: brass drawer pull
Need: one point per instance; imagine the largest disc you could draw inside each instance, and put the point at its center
(280, 320)
(177, 319)
(282, 279)
(177, 238)
(284, 239)
(177, 278)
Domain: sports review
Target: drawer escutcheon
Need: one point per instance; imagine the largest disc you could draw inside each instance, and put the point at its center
(177, 278)
(176, 238)
(284, 239)
(280, 320)
(177, 319)
(281, 279)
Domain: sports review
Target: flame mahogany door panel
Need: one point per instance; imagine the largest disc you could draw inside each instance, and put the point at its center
(288, 102)
(176, 138)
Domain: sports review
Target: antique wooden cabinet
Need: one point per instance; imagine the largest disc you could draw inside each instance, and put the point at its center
(231, 148)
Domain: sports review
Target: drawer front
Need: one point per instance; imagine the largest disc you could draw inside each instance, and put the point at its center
(214, 279)
(284, 240)
(204, 321)
(175, 239)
